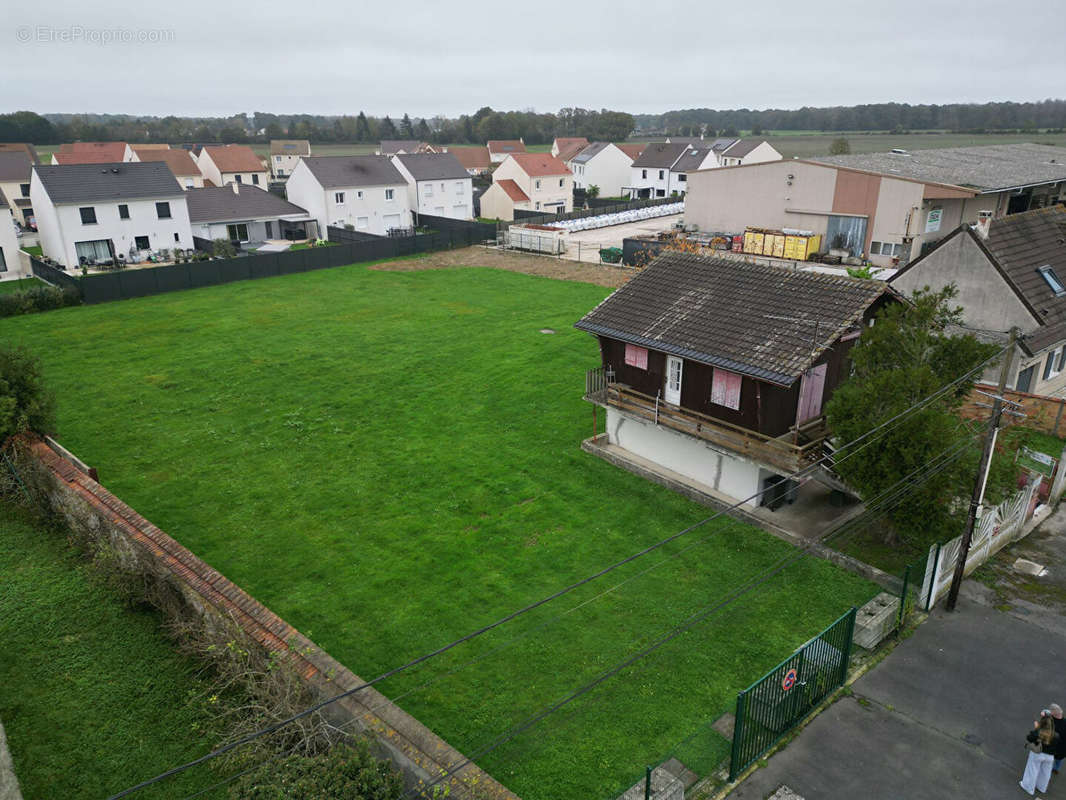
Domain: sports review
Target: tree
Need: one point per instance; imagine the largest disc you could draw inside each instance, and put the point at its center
(344, 772)
(407, 130)
(386, 130)
(839, 147)
(906, 356)
(424, 133)
(756, 130)
(274, 131)
(592, 192)
(362, 128)
(25, 403)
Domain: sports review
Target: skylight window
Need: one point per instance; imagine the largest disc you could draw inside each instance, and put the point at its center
(1052, 279)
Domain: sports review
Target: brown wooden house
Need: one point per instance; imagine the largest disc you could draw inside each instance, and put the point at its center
(718, 370)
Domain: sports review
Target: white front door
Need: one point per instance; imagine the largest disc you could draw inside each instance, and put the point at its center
(672, 391)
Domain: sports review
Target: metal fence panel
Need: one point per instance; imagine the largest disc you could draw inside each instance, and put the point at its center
(776, 703)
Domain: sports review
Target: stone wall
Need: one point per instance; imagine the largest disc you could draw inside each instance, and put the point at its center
(1045, 414)
(94, 513)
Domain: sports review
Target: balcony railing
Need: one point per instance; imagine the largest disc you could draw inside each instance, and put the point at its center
(798, 448)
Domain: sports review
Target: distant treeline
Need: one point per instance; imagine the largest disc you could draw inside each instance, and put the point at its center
(485, 124)
(961, 117)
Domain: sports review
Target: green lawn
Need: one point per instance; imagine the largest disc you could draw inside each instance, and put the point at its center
(92, 696)
(390, 460)
(19, 284)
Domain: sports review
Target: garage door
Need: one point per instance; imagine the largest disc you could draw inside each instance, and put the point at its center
(391, 221)
(461, 212)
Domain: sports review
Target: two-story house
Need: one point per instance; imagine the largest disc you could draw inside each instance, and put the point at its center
(15, 170)
(366, 192)
(529, 182)
(92, 153)
(231, 163)
(180, 162)
(602, 164)
(717, 370)
(437, 184)
(660, 172)
(285, 154)
(95, 213)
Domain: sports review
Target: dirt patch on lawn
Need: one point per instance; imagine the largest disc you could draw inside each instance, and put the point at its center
(544, 266)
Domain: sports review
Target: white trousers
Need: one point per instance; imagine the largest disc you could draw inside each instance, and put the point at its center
(1037, 772)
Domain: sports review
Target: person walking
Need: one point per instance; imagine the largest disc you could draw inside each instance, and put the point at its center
(1042, 744)
(1060, 729)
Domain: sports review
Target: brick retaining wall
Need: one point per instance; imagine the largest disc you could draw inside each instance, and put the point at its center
(1042, 413)
(91, 509)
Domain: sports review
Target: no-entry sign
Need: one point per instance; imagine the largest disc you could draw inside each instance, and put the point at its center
(789, 680)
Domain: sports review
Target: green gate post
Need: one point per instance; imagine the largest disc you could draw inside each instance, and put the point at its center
(738, 736)
(647, 783)
(850, 631)
(903, 597)
(932, 580)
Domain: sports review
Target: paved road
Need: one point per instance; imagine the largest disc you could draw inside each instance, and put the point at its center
(944, 715)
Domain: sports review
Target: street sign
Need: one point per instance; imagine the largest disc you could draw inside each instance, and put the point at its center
(789, 680)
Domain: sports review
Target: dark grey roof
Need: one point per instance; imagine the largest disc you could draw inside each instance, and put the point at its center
(723, 143)
(390, 147)
(660, 155)
(988, 168)
(767, 322)
(433, 166)
(15, 166)
(222, 204)
(338, 171)
(82, 183)
(696, 140)
(741, 147)
(692, 159)
(589, 152)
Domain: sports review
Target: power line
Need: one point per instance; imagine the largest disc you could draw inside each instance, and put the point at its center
(532, 606)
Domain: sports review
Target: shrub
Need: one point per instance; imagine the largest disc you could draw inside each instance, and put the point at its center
(345, 771)
(223, 248)
(39, 298)
(25, 403)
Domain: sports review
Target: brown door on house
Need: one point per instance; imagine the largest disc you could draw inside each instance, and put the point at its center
(811, 388)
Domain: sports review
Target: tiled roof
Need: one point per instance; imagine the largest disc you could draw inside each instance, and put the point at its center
(339, 171)
(514, 191)
(742, 147)
(572, 150)
(632, 150)
(505, 146)
(179, 161)
(81, 183)
(585, 154)
(539, 164)
(235, 158)
(660, 155)
(692, 159)
(21, 147)
(767, 322)
(988, 168)
(247, 203)
(91, 152)
(433, 166)
(472, 157)
(290, 147)
(390, 147)
(15, 165)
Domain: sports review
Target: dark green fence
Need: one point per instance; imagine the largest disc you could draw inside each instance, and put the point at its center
(773, 705)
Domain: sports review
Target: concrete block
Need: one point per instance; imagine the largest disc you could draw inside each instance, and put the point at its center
(875, 620)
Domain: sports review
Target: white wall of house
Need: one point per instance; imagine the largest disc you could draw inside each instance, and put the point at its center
(61, 228)
(10, 263)
(12, 191)
(761, 154)
(609, 169)
(370, 209)
(211, 172)
(191, 181)
(695, 459)
(659, 180)
(497, 204)
(282, 165)
(451, 197)
(256, 230)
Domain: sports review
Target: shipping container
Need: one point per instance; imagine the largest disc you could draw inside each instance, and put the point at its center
(801, 248)
(753, 241)
(788, 243)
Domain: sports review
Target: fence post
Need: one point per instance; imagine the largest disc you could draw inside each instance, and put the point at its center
(738, 736)
(903, 597)
(647, 783)
(934, 579)
(846, 661)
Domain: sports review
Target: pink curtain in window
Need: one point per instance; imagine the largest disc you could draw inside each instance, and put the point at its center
(636, 356)
(725, 388)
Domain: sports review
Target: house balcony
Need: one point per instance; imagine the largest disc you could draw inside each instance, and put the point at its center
(791, 452)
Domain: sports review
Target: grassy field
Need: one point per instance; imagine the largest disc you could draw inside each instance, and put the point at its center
(92, 695)
(390, 460)
(19, 284)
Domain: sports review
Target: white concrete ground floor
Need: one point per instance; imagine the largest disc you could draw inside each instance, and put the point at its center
(585, 245)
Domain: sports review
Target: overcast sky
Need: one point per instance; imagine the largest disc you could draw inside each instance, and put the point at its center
(218, 57)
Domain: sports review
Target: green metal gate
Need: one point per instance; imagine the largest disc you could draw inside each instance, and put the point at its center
(773, 705)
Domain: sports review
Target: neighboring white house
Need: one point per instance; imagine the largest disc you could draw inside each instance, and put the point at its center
(179, 161)
(566, 147)
(10, 263)
(529, 182)
(245, 214)
(437, 184)
(231, 163)
(663, 168)
(499, 149)
(285, 154)
(604, 165)
(98, 212)
(15, 169)
(366, 192)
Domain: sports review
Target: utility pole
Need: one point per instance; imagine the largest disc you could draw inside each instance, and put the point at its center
(982, 473)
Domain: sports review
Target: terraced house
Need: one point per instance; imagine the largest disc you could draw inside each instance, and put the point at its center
(529, 182)
(716, 371)
(231, 163)
(367, 193)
